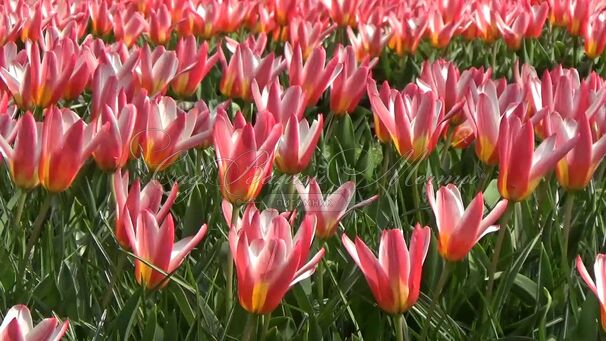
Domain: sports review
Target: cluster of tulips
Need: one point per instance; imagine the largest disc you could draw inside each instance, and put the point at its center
(121, 83)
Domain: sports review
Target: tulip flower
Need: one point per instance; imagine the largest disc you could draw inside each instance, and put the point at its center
(395, 277)
(113, 150)
(330, 210)
(18, 325)
(575, 170)
(156, 69)
(460, 229)
(24, 157)
(342, 12)
(269, 261)
(67, 142)
(368, 42)
(484, 109)
(152, 241)
(133, 201)
(597, 287)
(407, 29)
(349, 85)
(594, 35)
(101, 17)
(413, 118)
(205, 122)
(160, 25)
(285, 11)
(167, 134)
(245, 67)
(384, 95)
(197, 64)
(128, 25)
(439, 29)
(313, 76)
(297, 144)
(245, 155)
(280, 103)
(309, 34)
(520, 166)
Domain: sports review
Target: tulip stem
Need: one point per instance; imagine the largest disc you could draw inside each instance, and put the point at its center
(320, 280)
(36, 231)
(497, 250)
(435, 300)
(251, 327)
(266, 319)
(415, 191)
(567, 225)
(20, 206)
(398, 326)
(229, 273)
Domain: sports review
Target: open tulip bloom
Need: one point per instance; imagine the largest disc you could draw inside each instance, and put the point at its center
(459, 229)
(395, 277)
(268, 259)
(17, 325)
(598, 287)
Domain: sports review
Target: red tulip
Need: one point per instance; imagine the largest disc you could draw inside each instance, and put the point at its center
(575, 170)
(133, 201)
(197, 64)
(368, 42)
(245, 155)
(395, 277)
(313, 76)
(156, 69)
(269, 261)
(520, 166)
(308, 34)
(24, 157)
(67, 142)
(349, 85)
(101, 17)
(297, 144)
(152, 241)
(280, 103)
(594, 35)
(128, 25)
(342, 12)
(330, 210)
(597, 287)
(384, 95)
(413, 119)
(460, 229)
(18, 325)
(168, 132)
(160, 25)
(408, 28)
(114, 148)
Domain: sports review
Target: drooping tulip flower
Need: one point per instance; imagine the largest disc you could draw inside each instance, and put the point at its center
(460, 229)
(24, 157)
(245, 155)
(395, 277)
(18, 325)
(198, 65)
(268, 259)
(280, 103)
(313, 76)
(67, 142)
(134, 201)
(156, 69)
(349, 85)
(153, 241)
(168, 132)
(114, 148)
(597, 287)
(521, 167)
(575, 170)
(330, 210)
(413, 119)
(297, 144)
(244, 67)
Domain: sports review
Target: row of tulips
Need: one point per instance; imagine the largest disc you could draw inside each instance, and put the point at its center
(399, 24)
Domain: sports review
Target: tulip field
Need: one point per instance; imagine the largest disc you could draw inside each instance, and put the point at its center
(302, 170)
